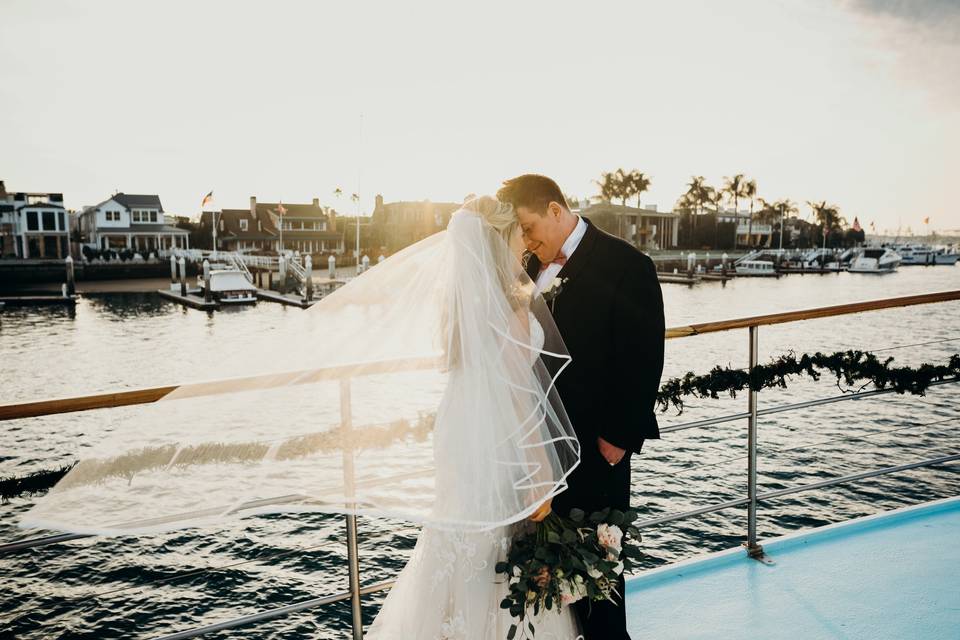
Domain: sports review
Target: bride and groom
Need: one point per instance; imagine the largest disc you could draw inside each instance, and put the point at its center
(471, 382)
(604, 299)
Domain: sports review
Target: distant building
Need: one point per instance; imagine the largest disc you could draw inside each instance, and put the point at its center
(33, 225)
(307, 228)
(130, 221)
(645, 228)
(747, 234)
(400, 224)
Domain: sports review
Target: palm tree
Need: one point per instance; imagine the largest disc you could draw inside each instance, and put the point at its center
(785, 206)
(828, 215)
(618, 184)
(734, 188)
(640, 183)
(766, 215)
(698, 194)
(750, 191)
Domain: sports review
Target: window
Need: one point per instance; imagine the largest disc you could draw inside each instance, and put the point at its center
(32, 222)
(153, 216)
(135, 215)
(49, 221)
(63, 227)
(243, 225)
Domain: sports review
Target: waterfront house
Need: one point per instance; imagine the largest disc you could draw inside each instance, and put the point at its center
(754, 235)
(645, 228)
(130, 221)
(396, 225)
(307, 228)
(33, 225)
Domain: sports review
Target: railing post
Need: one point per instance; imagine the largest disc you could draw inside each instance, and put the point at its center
(754, 550)
(353, 556)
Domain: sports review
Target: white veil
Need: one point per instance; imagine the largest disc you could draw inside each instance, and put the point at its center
(422, 390)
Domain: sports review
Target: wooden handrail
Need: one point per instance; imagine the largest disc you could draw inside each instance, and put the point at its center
(144, 396)
(810, 314)
(212, 387)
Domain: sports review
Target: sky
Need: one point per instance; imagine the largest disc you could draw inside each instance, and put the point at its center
(855, 102)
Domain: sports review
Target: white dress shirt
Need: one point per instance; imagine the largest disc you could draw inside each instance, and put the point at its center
(569, 246)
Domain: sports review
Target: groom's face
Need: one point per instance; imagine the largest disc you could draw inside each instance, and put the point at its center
(542, 232)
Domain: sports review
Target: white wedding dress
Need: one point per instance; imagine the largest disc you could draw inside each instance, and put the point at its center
(449, 589)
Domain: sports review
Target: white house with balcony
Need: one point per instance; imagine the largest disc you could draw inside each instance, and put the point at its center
(747, 234)
(33, 225)
(130, 221)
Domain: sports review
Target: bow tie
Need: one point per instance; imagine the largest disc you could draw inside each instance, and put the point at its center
(560, 260)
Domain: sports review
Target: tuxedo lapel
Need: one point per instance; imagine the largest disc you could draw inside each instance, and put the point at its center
(581, 255)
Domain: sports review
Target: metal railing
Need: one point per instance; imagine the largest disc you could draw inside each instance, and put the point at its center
(752, 415)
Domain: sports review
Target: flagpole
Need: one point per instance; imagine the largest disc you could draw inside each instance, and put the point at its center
(357, 210)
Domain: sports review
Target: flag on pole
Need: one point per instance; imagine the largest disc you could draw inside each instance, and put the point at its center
(207, 199)
(280, 210)
(873, 227)
(926, 220)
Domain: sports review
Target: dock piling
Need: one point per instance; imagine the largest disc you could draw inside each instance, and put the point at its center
(71, 286)
(182, 262)
(207, 294)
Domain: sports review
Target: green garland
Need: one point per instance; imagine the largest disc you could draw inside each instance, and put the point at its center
(852, 367)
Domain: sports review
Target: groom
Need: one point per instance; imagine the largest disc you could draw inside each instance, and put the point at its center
(609, 311)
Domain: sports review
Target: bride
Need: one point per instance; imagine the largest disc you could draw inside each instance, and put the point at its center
(422, 390)
(449, 589)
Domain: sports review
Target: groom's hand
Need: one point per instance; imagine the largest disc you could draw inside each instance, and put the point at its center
(611, 453)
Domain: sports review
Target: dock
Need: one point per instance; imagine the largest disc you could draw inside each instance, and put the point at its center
(679, 278)
(192, 299)
(33, 300)
(284, 298)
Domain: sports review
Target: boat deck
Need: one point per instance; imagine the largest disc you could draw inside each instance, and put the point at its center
(892, 575)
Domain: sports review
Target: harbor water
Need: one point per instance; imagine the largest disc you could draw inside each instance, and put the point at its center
(141, 587)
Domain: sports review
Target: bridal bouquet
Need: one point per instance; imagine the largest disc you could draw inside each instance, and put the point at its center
(563, 560)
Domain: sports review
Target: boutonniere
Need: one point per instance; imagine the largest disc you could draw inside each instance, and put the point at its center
(552, 290)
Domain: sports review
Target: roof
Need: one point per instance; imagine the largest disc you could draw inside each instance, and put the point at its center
(131, 200)
(269, 231)
(292, 210)
(619, 209)
(892, 575)
(231, 224)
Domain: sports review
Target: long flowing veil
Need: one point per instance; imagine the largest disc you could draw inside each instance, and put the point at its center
(422, 390)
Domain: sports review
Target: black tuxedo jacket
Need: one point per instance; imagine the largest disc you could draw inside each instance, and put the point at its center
(610, 315)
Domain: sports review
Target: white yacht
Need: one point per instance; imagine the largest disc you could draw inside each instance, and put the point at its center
(756, 268)
(875, 260)
(229, 286)
(915, 254)
(946, 255)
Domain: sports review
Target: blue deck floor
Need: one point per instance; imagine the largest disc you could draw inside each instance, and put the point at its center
(894, 575)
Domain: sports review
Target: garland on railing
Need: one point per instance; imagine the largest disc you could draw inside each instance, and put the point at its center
(852, 367)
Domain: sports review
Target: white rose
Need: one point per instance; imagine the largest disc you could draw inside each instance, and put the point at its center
(610, 536)
(594, 573)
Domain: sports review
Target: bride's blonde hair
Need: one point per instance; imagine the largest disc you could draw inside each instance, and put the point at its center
(499, 215)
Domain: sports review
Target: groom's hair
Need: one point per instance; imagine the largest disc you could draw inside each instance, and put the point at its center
(535, 192)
